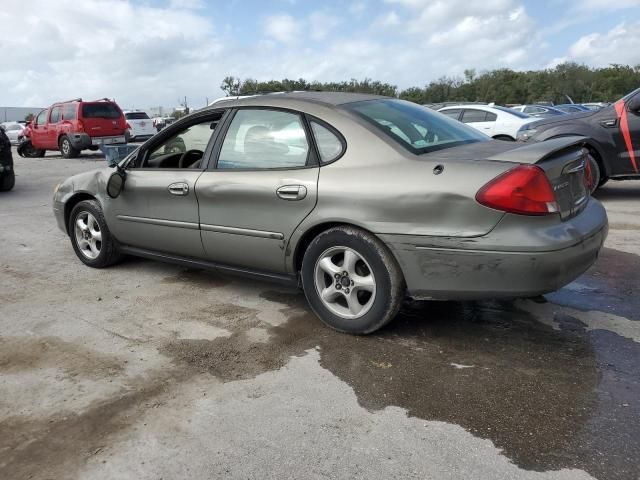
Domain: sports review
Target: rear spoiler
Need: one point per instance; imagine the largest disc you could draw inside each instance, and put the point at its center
(533, 153)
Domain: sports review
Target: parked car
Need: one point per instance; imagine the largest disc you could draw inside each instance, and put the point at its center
(357, 198)
(13, 130)
(139, 125)
(7, 175)
(571, 108)
(160, 122)
(595, 106)
(613, 139)
(541, 111)
(497, 122)
(73, 126)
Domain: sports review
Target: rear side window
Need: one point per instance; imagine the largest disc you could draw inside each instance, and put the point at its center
(329, 145)
(455, 113)
(264, 139)
(100, 110)
(55, 115)
(69, 112)
(471, 116)
(136, 116)
(490, 117)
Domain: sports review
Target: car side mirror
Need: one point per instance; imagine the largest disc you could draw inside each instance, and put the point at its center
(115, 185)
(634, 104)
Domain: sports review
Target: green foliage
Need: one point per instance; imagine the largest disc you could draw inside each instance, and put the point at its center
(178, 114)
(28, 117)
(502, 86)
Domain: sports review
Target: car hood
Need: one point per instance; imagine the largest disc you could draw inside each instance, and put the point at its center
(562, 118)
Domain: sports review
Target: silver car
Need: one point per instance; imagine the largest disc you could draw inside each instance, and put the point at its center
(13, 130)
(361, 200)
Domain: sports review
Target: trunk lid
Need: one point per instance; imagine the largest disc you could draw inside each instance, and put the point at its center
(102, 119)
(564, 162)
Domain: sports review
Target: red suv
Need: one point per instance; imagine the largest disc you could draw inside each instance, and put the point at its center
(76, 125)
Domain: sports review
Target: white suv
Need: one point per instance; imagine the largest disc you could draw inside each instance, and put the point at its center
(139, 125)
(498, 122)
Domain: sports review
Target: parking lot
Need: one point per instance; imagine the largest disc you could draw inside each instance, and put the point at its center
(148, 370)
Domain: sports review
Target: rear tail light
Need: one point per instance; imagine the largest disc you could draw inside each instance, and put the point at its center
(524, 190)
(127, 126)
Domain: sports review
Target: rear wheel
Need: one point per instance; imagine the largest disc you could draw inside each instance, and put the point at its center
(7, 182)
(67, 150)
(90, 235)
(351, 280)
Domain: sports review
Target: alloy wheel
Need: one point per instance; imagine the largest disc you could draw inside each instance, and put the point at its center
(345, 282)
(88, 235)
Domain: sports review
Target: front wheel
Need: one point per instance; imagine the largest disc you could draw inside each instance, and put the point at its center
(90, 235)
(351, 280)
(7, 182)
(66, 149)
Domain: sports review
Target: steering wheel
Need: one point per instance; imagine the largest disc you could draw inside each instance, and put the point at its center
(182, 163)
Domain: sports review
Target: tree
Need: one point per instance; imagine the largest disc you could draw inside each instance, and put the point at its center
(28, 117)
(231, 86)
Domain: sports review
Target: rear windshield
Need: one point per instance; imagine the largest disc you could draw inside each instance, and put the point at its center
(417, 128)
(513, 112)
(136, 116)
(100, 110)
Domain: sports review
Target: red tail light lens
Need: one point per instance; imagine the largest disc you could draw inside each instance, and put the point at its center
(127, 126)
(524, 190)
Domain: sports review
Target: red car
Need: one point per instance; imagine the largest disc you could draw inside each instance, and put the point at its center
(73, 126)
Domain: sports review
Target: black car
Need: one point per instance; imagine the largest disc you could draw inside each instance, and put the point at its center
(614, 137)
(7, 176)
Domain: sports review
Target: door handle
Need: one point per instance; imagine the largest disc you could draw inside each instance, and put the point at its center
(178, 188)
(292, 192)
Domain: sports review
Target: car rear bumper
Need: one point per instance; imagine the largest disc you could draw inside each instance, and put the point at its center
(82, 141)
(535, 258)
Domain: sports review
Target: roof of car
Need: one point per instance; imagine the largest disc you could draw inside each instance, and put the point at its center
(326, 98)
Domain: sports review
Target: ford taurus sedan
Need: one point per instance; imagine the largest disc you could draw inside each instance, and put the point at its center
(361, 200)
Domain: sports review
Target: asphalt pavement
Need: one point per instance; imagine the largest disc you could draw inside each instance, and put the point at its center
(153, 371)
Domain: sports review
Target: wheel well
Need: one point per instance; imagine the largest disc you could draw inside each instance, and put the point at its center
(72, 202)
(308, 237)
(509, 137)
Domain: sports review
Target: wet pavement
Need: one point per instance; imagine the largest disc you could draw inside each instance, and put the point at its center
(147, 370)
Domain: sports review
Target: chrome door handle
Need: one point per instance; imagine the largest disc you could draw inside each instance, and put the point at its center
(292, 192)
(178, 188)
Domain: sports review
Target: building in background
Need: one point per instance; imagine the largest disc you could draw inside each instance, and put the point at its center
(17, 114)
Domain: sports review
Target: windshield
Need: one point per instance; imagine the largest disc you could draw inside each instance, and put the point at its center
(418, 129)
(513, 112)
(136, 116)
(100, 110)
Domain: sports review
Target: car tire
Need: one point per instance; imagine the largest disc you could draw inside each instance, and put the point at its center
(7, 182)
(66, 149)
(93, 243)
(596, 173)
(28, 151)
(371, 286)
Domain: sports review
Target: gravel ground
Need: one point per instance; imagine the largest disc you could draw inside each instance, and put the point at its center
(148, 370)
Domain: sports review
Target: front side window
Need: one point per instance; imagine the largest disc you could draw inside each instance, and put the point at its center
(417, 128)
(264, 139)
(184, 149)
(41, 119)
(329, 145)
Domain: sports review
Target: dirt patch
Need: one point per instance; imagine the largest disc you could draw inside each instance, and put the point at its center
(28, 353)
(57, 448)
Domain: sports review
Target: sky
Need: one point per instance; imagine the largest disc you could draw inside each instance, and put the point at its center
(149, 53)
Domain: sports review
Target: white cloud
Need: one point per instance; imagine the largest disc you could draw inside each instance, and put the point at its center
(283, 28)
(387, 20)
(621, 44)
(607, 4)
(322, 24)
